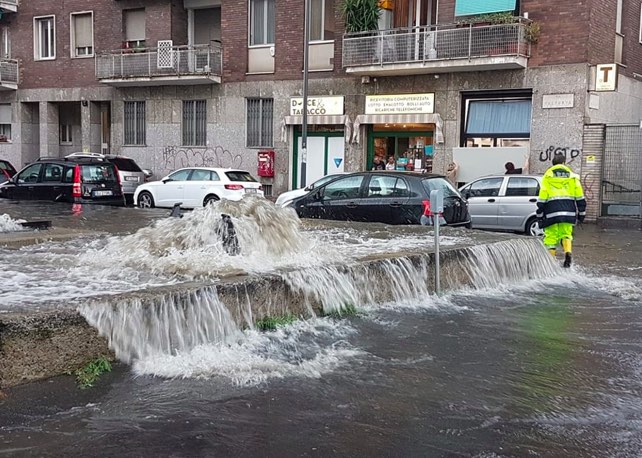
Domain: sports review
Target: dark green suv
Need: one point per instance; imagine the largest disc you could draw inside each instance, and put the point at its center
(75, 180)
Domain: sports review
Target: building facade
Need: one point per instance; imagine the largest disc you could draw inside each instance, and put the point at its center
(172, 83)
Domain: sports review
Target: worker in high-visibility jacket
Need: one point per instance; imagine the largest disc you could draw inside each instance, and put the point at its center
(561, 204)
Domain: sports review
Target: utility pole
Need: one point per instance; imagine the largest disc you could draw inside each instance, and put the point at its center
(304, 122)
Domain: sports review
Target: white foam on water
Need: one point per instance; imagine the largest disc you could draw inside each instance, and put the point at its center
(253, 357)
(7, 224)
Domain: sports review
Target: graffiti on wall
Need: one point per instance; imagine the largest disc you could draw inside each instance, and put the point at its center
(569, 153)
(591, 185)
(176, 157)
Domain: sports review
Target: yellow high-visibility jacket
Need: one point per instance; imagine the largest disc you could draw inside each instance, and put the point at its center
(561, 198)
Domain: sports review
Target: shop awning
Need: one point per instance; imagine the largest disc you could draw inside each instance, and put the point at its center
(424, 118)
(318, 120)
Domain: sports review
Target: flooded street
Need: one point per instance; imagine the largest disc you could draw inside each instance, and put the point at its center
(550, 366)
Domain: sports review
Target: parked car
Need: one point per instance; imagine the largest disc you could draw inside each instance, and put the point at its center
(6, 170)
(131, 175)
(287, 197)
(76, 180)
(381, 196)
(504, 202)
(196, 187)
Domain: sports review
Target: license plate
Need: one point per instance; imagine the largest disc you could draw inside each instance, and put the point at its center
(131, 178)
(102, 193)
(250, 191)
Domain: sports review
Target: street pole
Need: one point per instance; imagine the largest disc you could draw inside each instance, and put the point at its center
(304, 122)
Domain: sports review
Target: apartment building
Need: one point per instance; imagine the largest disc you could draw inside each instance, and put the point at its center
(187, 82)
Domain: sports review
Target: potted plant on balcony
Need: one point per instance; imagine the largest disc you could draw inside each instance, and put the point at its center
(360, 15)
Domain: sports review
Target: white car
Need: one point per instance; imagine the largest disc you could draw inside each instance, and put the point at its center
(196, 187)
(286, 198)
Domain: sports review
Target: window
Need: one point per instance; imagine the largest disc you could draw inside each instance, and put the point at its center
(387, 186)
(98, 173)
(261, 22)
(520, 186)
(30, 174)
(53, 173)
(240, 176)
(5, 122)
(194, 123)
(82, 34)
(65, 134)
(135, 123)
(493, 120)
(487, 187)
(343, 188)
(321, 20)
(433, 184)
(259, 122)
(473, 7)
(5, 43)
(203, 175)
(134, 22)
(44, 37)
(180, 175)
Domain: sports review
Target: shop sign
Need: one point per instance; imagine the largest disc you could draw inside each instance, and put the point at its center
(557, 101)
(317, 106)
(606, 78)
(400, 104)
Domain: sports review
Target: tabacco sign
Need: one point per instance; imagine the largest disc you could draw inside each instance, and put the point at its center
(400, 104)
(332, 105)
(606, 77)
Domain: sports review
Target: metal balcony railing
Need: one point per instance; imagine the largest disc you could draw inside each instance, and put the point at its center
(160, 62)
(437, 42)
(8, 71)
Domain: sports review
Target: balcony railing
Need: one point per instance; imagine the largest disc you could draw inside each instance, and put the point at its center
(430, 45)
(8, 74)
(9, 5)
(189, 63)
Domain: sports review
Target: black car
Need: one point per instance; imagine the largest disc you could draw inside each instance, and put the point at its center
(6, 171)
(75, 180)
(381, 196)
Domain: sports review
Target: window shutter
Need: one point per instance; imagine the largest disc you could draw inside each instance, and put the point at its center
(134, 25)
(469, 7)
(83, 30)
(5, 113)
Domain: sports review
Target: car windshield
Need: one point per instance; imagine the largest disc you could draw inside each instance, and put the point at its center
(239, 176)
(125, 164)
(432, 184)
(98, 173)
(322, 181)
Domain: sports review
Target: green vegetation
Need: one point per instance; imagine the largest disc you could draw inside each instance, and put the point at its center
(360, 15)
(86, 376)
(343, 312)
(271, 323)
(490, 18)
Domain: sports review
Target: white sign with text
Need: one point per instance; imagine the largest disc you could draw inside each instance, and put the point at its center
(400, 104)
(317, 106)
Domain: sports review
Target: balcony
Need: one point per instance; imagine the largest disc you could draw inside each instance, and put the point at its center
(8, 75)
(437, 49)
(9, 6)
(172, 65)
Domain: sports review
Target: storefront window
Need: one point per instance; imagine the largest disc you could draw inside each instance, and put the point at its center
(411, 145)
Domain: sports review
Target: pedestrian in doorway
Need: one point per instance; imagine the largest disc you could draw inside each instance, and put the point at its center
(452, 173)
(511, 170)
(378, 164)
(390, 165)
(561, 205)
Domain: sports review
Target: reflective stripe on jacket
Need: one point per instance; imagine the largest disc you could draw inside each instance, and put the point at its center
(561, 198)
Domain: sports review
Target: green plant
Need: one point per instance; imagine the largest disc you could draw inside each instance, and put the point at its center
(360, 15)
(491, 18)
(345, 311)
(532, 31)
(87, 375)
(271, 323)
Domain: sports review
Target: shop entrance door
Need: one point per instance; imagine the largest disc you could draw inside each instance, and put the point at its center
(326, 155)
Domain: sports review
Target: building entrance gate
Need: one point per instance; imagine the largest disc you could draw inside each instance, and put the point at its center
(622, 171)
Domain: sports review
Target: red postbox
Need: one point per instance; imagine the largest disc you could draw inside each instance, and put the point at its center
(266, 163)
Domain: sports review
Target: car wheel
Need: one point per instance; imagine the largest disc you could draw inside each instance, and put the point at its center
(209, 200)
(532, 228)
(145, 200)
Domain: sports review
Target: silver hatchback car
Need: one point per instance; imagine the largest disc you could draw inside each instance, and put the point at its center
(504, 202)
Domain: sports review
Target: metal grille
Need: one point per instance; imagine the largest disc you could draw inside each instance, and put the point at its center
(622, 171)
(157, 62)
(194, 122)
(165, 54)
(260, 121)
(438, 42)
(267, 190)
(135, 123)
(9, 71)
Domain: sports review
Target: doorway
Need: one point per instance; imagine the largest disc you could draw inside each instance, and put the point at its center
(326, 155)
(411, 145)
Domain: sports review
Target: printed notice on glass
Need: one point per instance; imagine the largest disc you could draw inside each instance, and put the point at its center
(400, 104)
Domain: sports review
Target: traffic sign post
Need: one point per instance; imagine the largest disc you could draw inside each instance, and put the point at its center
(437, 208)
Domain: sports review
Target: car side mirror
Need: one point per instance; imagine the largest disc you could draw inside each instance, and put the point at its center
(148, 173)
(166, 179)
(467, 194)
(317, 195)
(308, 188)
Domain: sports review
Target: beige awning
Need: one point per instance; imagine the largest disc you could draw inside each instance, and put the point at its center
(317, 119)
(343, 120)
(424, 118)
